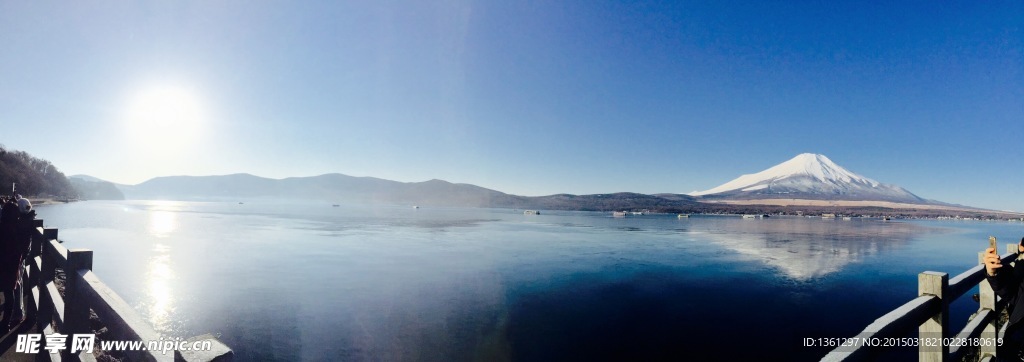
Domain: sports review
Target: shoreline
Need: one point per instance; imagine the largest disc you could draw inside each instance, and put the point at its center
(39, 201)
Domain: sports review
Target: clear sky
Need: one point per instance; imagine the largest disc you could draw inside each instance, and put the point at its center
(525, 97)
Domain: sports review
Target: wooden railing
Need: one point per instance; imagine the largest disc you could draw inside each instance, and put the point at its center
(929, 313)
(83, 290)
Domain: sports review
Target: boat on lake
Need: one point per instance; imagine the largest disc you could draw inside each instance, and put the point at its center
(618, 214)
(683, 216)
(531, 212)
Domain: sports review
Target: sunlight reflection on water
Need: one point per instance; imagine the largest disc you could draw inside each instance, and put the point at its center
(162, 223)
(159, 274)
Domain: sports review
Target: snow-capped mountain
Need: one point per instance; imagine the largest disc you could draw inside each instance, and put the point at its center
(809, 176)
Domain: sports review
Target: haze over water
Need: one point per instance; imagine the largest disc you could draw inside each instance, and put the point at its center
(307, 281)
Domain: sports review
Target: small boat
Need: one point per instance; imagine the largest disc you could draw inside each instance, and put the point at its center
(241, 203)
(828, 216)
(531, 212)
(683, 216)
(766, 215)
(847, 218)
(748, 216)
(618, 214)
(637, 212)
(415, 207)
(335, 205)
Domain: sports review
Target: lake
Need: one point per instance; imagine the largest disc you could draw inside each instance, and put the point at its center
(308, 281)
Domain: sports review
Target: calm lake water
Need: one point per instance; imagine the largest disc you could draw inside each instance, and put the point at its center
(307, 281)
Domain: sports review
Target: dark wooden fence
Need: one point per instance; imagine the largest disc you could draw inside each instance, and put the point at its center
(83, 290)
(929, 313)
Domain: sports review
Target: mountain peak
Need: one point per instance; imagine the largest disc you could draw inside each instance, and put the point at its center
(809, 175)
(818, 166)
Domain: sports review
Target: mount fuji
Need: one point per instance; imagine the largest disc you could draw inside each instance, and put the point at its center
(809, 176)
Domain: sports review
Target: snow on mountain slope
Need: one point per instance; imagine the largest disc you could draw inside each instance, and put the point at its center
(811, 176)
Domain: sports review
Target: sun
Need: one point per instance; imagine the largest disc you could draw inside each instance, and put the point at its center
(164, 117)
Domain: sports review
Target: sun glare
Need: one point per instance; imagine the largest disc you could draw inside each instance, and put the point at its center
(164, 117)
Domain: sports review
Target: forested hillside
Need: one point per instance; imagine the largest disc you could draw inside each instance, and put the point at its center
(34, 176)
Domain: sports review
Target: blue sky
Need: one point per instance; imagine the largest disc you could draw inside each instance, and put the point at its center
(530, 98)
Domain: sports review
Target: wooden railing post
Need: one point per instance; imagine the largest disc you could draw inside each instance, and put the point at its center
(48, 234)
(44, 315)
(934, 283)
(34, 247)
(76, 308)
(987, 300)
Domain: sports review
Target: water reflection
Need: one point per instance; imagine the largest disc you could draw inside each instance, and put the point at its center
(162, 223)
(159, 290)
(806, 248)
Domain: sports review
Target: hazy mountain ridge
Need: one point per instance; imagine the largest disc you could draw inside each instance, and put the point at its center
(91, 188)
(339, 188)
(808, 183)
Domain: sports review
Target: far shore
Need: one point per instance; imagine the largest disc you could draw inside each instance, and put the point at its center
(846, 203)
(37, 201)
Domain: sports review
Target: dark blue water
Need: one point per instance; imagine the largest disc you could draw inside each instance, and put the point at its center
(307, 281)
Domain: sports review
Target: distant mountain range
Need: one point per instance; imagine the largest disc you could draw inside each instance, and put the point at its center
(91, 188)
(338, 188)
(808, 182)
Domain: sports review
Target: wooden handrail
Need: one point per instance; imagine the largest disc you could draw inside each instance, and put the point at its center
(929, 312)
(973, 329)
(84, 291)
(963, 283)
(896, 323)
